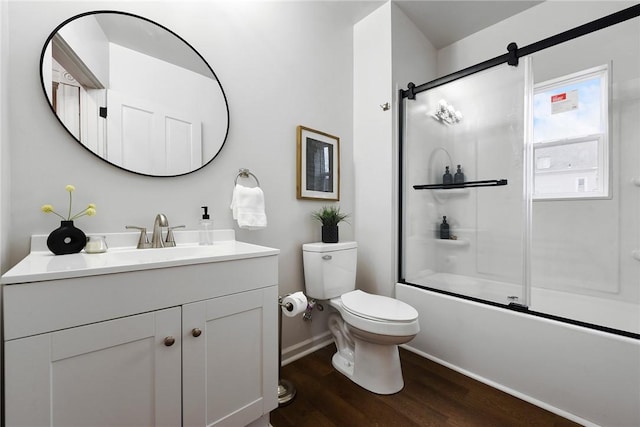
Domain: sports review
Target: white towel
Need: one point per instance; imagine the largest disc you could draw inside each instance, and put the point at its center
(247, 205)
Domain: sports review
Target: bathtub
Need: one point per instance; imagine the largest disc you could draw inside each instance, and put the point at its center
(585, 375)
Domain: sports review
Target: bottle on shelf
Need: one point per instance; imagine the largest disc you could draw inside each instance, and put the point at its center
(447, 178)
(458, 178)
(444, 229)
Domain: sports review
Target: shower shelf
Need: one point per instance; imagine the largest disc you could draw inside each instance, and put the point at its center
(453, 242)
(468, 184)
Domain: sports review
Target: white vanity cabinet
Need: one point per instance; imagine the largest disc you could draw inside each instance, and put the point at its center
(224, 379)
(113, 373)
(192, 345)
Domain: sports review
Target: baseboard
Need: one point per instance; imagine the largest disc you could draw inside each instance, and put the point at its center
(503, 388)
(297, 351)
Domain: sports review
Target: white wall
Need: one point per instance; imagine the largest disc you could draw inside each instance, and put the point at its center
(389, 52)
(281, 64)
(86, 39)
(544, 20)
(373, 150)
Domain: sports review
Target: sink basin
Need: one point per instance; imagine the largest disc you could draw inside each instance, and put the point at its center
(142, 256)
(41, 264)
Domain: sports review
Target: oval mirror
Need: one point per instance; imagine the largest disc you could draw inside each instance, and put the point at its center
(134, 93)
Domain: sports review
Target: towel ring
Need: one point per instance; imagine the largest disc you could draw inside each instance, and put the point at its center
(245, 173)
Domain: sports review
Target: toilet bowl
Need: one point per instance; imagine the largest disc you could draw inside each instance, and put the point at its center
(367, 342)
(366, 328)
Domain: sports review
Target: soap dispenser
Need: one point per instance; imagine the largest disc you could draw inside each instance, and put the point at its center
(447, 178)
(206, 228)
(458, 178)
(444, 229)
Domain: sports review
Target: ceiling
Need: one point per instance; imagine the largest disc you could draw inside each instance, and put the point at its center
(445, 22)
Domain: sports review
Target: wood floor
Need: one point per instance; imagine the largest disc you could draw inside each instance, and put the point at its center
(432, 396)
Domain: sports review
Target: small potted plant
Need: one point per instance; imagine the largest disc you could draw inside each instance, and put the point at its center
(329, 217)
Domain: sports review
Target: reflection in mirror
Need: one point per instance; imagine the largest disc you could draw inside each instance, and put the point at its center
(134, 93)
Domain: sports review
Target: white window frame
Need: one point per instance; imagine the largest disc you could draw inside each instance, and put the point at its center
(603, 169)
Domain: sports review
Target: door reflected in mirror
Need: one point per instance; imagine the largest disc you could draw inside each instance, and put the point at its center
(134, 93)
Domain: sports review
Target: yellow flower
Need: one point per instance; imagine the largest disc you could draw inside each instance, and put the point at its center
(90, 210)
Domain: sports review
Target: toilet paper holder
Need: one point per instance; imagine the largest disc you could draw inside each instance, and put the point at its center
(286, 390)
(287, 305)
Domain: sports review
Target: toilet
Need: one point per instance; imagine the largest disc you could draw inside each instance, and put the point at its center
(366, 328)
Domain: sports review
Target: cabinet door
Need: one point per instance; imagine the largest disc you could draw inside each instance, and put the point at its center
(230, 372)
(114, 373)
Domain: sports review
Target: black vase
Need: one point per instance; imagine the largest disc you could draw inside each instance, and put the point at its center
(67, 239)
(329, 234)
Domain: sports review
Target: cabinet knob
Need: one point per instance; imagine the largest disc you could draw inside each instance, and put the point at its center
(169, 341)
(196, 332)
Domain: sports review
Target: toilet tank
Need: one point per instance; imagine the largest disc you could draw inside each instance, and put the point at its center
(329, 269)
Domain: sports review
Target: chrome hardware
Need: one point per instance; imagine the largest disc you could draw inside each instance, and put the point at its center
(156, 238)
(170, 241)
(245, 173)
(169, 341)
(326, 257)
(143, 241)
(307, 313)
(196, 332)
(288, 306)
(385, 107)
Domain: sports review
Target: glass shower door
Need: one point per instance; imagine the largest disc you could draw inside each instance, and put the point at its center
(474, 126)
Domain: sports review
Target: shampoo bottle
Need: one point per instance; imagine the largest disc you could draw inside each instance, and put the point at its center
(444, 229)
(447, 178)
(206, 228)
(458, 178)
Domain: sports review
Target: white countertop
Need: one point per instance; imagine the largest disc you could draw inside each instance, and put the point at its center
(122, 256)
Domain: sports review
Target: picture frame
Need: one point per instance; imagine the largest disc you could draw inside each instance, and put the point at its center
(318, 160)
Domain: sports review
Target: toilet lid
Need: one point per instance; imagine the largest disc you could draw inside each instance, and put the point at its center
(378, 307)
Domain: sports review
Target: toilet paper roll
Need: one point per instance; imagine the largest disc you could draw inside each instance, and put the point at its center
(298, 302)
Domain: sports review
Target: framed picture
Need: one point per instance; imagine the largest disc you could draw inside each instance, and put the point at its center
(318, 159)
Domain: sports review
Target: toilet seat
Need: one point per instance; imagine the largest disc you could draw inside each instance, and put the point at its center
(374, 324)
(378, 307)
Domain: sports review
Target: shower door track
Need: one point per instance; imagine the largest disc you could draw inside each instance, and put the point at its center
(526, 310)
(514, 52)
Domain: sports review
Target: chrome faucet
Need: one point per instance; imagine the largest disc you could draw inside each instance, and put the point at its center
(156, 237)
(157, 241)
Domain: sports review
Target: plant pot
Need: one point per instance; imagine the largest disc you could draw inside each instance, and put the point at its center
(329, 234)
(66, 239)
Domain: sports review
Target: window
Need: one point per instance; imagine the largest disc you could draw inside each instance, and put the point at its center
(570, 136)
